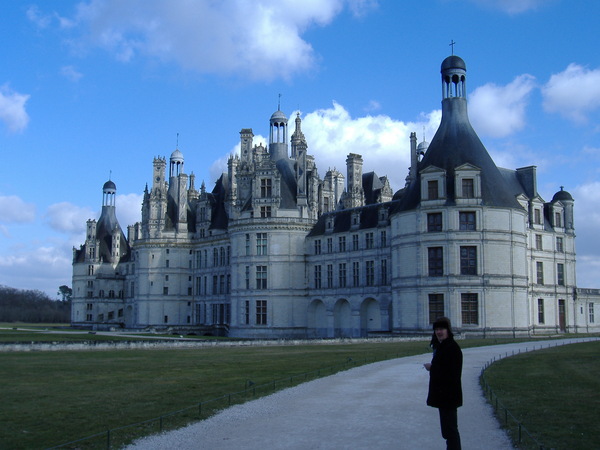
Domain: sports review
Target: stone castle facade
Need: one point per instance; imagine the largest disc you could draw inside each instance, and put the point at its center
(276, 251)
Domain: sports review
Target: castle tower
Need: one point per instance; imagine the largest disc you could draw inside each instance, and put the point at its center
(299, 148)
(355, 194)
(246, 137)
(278, 136)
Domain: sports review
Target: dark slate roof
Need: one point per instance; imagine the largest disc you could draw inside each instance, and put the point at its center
(219, 218)
(562, 195)
(454, 144)
(369, 218)
(289, 187)
(372, 186)
(106, 224)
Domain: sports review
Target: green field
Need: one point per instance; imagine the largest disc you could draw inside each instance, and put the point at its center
(554, 393)
(54, 397)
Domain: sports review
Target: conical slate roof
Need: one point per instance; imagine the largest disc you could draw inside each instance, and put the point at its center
(455, 144)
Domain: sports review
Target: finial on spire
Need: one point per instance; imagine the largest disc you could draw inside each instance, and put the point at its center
(279, 103)
(452, 43)
(177, 142)
(109, 175)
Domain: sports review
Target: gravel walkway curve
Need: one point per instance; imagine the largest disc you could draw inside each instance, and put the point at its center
(380, 405)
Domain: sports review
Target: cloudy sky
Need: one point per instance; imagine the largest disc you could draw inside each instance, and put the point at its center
(94, 90)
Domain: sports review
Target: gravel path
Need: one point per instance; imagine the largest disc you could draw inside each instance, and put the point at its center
(380, 405)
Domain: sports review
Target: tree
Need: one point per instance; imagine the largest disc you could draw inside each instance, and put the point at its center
(66, 292)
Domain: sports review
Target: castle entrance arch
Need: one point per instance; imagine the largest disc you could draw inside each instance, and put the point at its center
(317, 319)
(342, 319)
(370, 316)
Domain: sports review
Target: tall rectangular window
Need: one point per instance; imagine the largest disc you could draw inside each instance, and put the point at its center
(591, 313)
(383, 238)
(538, 242)
(370, 272)
(469, 309)
(557, 220)
(342, 274)
(329, 245)
(261, 243)
(432, 190)
(318, 247)
(436, 307)
(261, 312)
(329, 275)
(247, 277)
(318, 276)
(468, 260)
(342, 244)
(369, 240)
(559, 245)
(435, 261)
(560, 274)
(468, 188)
(355, 242)
(384, 275)
(434, 222)
(355, 274)
(247, 244)
(539, 268)
(466, 220)
(540, 310)
(266, 189)
(261, 277)
(537, 216)
(247, 312)
(265, 212)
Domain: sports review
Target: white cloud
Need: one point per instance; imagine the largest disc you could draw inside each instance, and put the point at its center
(331, 134)
(256, 40)
(70, 73)
(512, 6)
(68, 218)
(383, 142)
(587, 223)
(14, 210)
(35, 15)
(573, 93)
(498, 111)
(44, 268)
(12, 109)
(128, 209)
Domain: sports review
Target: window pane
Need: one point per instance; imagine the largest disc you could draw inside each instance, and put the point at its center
(469, 309)
(468, 261)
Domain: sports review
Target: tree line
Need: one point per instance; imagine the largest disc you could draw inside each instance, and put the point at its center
(33, 306)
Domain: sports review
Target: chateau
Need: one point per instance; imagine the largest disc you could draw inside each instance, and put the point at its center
(276, 251)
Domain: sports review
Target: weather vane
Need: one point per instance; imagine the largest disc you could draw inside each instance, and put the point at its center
(452, 43)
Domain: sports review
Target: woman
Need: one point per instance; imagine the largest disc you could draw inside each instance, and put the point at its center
(445, 389)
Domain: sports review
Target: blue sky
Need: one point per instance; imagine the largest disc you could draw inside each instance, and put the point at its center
(96, 89)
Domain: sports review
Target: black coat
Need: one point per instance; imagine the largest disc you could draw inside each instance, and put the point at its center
(445, 389)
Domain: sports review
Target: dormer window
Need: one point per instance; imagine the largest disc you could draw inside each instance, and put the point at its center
(266, 187)
(468, 190)
(433, 186)
(467, 182)
(432, 190)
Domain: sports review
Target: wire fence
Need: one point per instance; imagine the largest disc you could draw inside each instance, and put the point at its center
(520, 435)
(120, 436)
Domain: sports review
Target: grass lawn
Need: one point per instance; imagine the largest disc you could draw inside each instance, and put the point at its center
(555, 393)
(49, 398)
